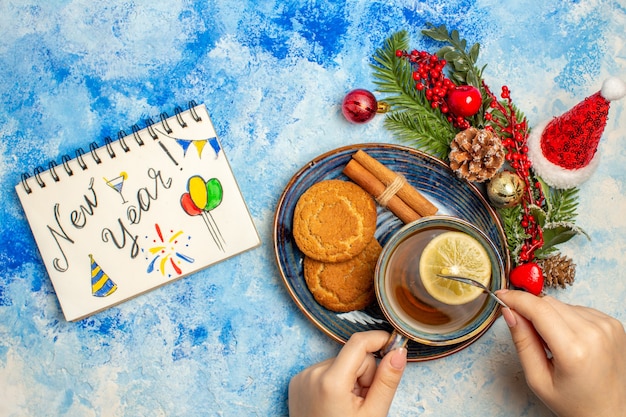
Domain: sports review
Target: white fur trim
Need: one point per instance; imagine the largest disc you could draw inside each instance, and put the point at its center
(555, 175)
(613, 89)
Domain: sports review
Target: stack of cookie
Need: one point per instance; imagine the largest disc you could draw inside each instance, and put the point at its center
(334, 224)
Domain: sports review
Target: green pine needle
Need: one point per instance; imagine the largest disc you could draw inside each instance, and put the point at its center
(422, 130)
(561, 204)
(515, 234)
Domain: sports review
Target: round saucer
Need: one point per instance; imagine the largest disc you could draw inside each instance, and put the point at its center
(433, 178)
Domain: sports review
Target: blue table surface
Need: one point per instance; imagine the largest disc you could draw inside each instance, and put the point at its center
(226, 341)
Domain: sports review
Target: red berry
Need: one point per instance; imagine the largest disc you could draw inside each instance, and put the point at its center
(464, 100)
(528, 276)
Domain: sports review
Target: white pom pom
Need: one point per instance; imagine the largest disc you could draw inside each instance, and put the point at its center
(613, 89)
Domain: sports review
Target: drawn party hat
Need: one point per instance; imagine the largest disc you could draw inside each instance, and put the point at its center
(101, 284)
(563, 150)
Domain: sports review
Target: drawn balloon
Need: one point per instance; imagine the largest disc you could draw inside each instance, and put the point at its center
(200, 199)
(188, 205)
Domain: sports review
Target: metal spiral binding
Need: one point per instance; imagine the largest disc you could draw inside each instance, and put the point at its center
(38, 171)
(120, 138)
(149, 123)
(136, 130)
(179, 118)
(93, 147)
(65, 159)
(79, 159)
(192, 110)
(52, 169)
(108, 145)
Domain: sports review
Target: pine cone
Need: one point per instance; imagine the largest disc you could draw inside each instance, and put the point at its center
(476, 155)
(558, 270)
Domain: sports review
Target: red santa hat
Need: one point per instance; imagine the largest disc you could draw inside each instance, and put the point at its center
(563, 150)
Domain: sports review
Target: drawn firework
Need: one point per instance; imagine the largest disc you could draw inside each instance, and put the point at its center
(166, 253)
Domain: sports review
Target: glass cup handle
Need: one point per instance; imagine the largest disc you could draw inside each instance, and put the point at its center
(396, 341)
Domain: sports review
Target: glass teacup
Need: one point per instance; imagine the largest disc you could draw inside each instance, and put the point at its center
(410, 309)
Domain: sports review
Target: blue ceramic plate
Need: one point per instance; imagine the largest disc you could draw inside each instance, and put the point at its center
(433, 178)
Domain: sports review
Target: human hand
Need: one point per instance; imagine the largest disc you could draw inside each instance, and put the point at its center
(574, 357)
(351, 384)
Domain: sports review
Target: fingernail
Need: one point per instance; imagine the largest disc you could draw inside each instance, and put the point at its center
(502, 291)
(398, 358)
(509, 318)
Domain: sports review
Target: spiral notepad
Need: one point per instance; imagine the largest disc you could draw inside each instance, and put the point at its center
(138, 212)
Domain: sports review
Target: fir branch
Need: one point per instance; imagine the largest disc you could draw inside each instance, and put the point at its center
(419, 129)
(558, 218)
(393, 75)
(502, 118)
(562, 204)
(411, 117)
(515, 234)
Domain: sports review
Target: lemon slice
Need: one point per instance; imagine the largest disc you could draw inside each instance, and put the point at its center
(454, 253)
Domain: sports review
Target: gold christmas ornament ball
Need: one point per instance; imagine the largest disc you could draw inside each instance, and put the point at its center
(505, 189)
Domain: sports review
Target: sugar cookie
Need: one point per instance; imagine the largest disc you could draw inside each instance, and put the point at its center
(344, 286)
(334, 220)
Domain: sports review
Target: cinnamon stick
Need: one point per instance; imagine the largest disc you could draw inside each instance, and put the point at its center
(409, 195)
(361, 176)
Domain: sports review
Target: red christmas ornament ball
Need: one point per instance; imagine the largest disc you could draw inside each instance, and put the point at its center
(464, 100)
(359, 106)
